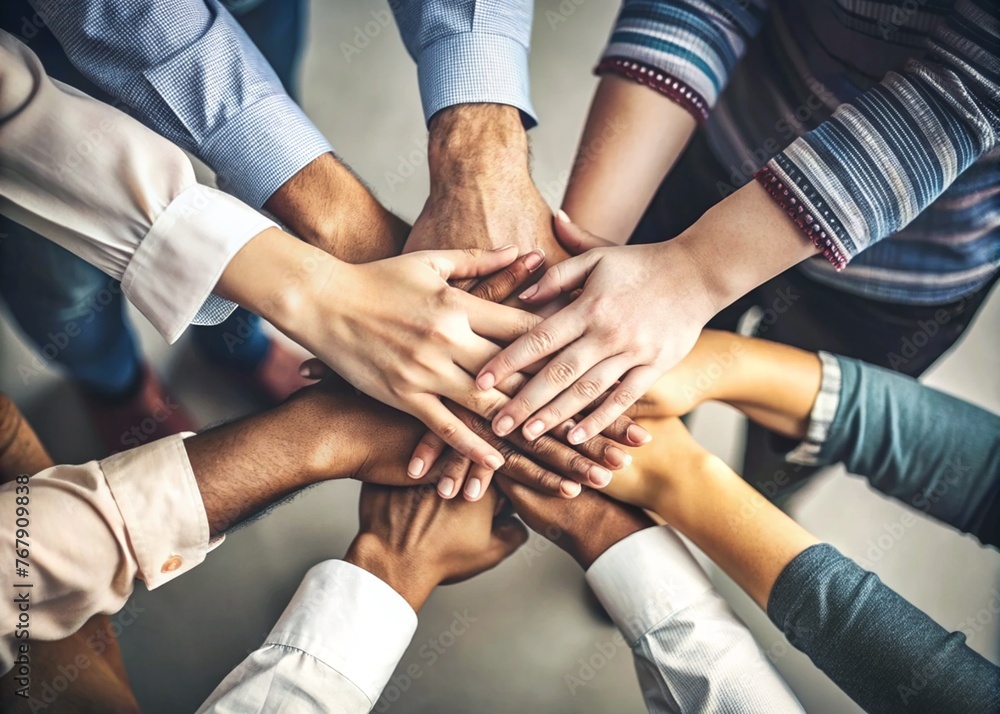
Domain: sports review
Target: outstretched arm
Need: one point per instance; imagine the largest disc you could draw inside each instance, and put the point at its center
(853, 627)
(930, 450)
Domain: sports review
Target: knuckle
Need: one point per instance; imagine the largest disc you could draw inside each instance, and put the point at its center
(551, 414)
(523, 405)
(486, 405)
(448, 430)
(578, 464)
(560, 372)
(540, 341)
(587, 389)
(624, 397)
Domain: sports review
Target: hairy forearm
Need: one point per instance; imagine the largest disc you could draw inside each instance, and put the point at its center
(327, 206)
(482, 194)
(245, 466)
(469, 144)
(632, 138)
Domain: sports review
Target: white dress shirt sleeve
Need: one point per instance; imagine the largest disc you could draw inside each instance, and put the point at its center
(92, 530)
(98, 183)
(333, 649)
(691, 652)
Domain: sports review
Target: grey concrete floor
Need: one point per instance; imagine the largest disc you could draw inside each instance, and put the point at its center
(532, 625)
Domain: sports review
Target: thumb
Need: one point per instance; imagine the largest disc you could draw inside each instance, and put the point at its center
(560, 278)
(575, 239)
(469, 263)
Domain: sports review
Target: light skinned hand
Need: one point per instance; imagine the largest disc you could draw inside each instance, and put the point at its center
(640, 311)
(460, 475)
(414, 541)
(397, 331)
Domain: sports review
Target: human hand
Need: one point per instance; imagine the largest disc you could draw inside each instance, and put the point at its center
(460, 476)
(584, 527)
(396, 330)
(414, 541)
(640, 311)
(370, 442)
(481, 194)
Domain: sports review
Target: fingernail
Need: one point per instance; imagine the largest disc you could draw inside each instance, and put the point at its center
(446, 487)
(416, 468)
(473, 488)
(562, 216)
(527, 294)
(534, 428)
(533, 260)
(486, 381)
(304, 371)
(504, 425)
(599, 477)
(637, 435)
(578, 436)
(616, 457)
(493, 461)
(570, 489)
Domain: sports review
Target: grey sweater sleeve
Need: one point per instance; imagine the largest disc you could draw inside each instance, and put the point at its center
(886, 654)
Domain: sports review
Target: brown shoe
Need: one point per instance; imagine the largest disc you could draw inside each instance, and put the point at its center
(148, 415)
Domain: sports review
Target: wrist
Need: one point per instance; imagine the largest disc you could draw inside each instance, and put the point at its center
(328, 207)
(615, 524)
(471, 143)
(689, 490)
(400, 571)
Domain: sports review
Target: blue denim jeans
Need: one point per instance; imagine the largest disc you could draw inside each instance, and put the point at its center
(72, 311)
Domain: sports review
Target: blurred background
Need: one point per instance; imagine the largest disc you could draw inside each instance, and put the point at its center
(532, 623)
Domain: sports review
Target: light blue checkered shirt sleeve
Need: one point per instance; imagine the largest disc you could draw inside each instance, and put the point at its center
(469, 51)
(189, 72)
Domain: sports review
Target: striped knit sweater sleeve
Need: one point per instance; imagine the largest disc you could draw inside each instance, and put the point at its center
(684, 49)
(883, 158)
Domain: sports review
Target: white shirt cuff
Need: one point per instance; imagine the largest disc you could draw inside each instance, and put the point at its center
(158, 496)
(176, 266)
(821, 417)
(643, 579)
(351, 621)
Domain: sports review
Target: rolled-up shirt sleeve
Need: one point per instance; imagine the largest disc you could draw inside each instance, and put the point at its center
(469, 52)
(98, 183)
(92, 530)
(333, 649)
(691, 652)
